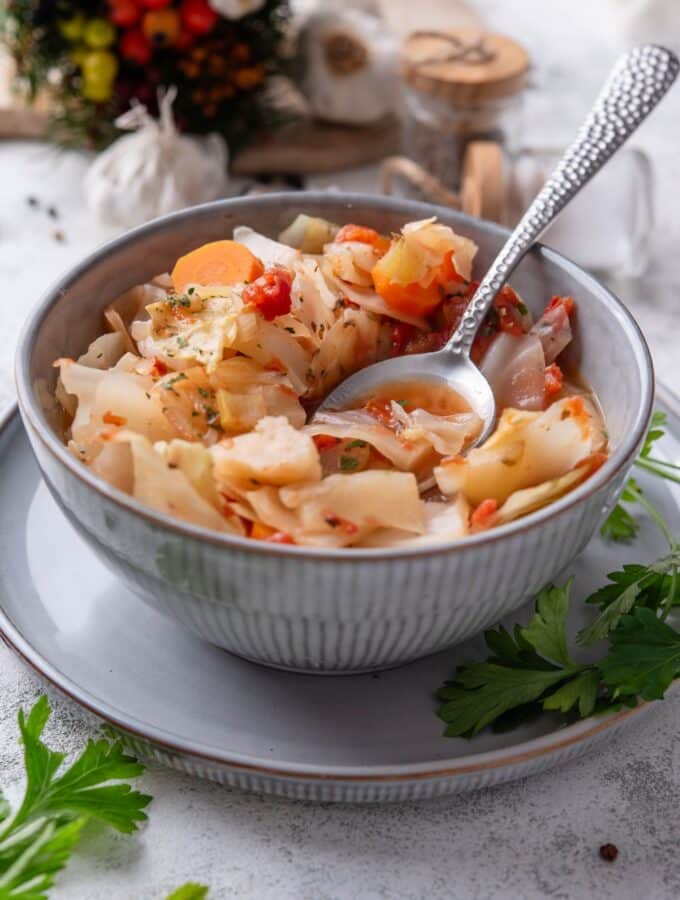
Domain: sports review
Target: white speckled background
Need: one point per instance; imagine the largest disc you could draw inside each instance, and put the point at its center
(533, 839)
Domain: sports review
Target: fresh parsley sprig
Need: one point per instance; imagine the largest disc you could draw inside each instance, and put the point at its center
(189, 891)
(656, 586)
(36, 841)
(533, 670)
(530, 670)
(621, 525)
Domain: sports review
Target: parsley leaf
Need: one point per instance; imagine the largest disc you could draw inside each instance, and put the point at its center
(581, 690)
(518, 674)
(484, 691)
(348, 463)
(655, 585)
(189, 891)
(644, 658)
(38, 839)
(620, 525)
(547, 631)
(656, 431)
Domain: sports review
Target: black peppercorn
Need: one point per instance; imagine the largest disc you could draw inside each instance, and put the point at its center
(609, 852)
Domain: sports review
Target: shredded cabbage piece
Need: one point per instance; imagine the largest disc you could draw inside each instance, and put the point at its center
(159, 484)
(273, 453)
(202, 405)
(525, 450)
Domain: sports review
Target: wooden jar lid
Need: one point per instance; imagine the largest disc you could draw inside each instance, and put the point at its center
(465, 66)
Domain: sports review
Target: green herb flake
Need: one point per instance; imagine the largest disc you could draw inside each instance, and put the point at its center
(168, 385)
(348, 463)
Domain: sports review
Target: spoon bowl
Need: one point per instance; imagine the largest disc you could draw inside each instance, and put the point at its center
(639, 80)
(461, 377)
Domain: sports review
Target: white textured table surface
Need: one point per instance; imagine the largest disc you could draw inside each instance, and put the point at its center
(532, 839)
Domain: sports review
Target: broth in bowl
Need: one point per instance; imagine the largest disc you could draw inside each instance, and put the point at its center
(197, 400)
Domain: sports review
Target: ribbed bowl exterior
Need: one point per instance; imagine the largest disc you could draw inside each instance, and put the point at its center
(324, 615)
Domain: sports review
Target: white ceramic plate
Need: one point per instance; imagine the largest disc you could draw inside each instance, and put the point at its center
(189, 705)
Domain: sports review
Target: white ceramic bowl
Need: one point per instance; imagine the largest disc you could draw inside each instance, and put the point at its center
(329, 610)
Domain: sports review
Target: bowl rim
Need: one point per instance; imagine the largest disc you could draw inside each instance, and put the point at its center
(33, 414)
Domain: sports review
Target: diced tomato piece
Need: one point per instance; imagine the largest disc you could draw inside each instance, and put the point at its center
(335, 521)
(567, 302)
(483, 514)
(506, 304)
(554, 379)
(380, 409)
(401, 335)
(158, 368)
(362, 235)
(325, 442)
(281, 537)
(270, 293)
(110, 419)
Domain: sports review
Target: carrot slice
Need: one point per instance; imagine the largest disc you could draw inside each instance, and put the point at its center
(220, 262)
(414, 299)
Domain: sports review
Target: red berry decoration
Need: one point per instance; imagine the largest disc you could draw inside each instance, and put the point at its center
(197, 16)
(135, 47)
(154, 4)
(123, 13)
(161, 27)
(185, 40)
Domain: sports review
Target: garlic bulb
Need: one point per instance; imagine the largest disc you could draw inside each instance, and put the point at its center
(352, 71)
(236, 9)
(154, 171)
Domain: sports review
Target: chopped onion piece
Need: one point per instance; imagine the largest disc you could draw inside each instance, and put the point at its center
(270, 252)
(515, 369)
(308, 233)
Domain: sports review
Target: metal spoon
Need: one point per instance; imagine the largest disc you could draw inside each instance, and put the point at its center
(637, 83)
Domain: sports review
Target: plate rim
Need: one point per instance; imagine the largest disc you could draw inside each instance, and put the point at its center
(469, 764)
(464, 765)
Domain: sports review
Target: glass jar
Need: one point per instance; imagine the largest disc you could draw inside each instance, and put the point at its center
(460, 86)
(608, 227)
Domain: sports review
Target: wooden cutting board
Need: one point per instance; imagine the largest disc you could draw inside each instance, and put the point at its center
(301, 148)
